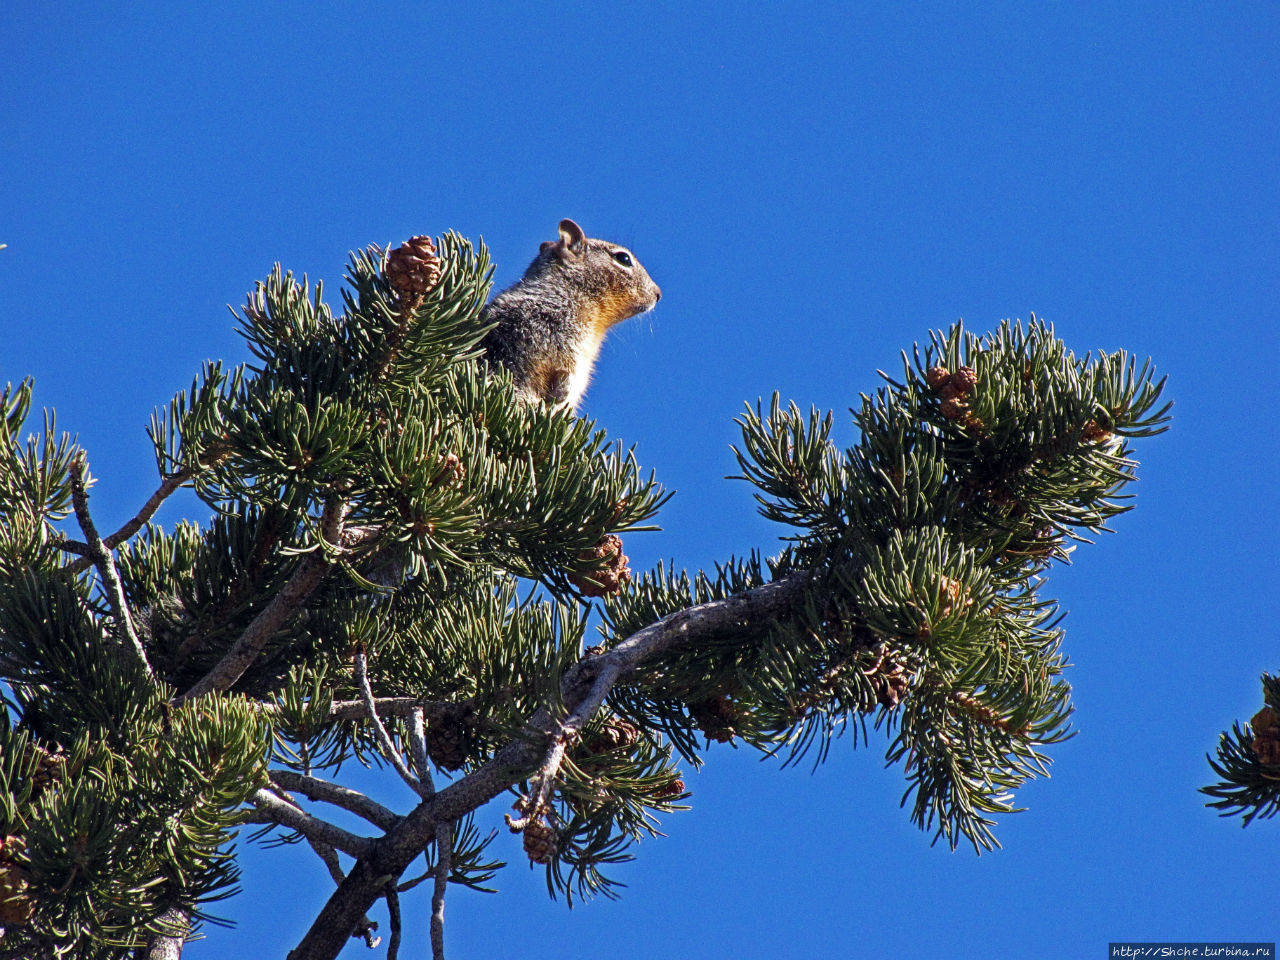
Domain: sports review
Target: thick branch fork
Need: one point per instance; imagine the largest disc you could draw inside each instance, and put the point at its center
(584, 688)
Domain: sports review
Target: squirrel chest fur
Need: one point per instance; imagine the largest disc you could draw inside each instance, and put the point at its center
(549, 326)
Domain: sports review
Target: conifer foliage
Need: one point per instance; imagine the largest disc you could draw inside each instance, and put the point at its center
(1248, 762)
(399, 569)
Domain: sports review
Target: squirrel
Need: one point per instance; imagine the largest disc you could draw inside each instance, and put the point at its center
(549, 325)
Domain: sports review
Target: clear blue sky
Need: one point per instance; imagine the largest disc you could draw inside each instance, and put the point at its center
(814, 187)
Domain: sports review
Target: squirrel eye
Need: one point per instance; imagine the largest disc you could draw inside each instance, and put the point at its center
(622, 257)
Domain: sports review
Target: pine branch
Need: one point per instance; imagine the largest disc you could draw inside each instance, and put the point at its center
(387, 707)
(266, 540)
(444, 857)
(100, 557)
(393, 913)
(168, 485)
(421, 756)
(175, 923)
(584, 688)
(329, 856)
(272, 809)
(339, 796)
(309, 575)
(384, 739)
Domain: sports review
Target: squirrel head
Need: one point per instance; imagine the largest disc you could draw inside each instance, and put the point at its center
(607, 280)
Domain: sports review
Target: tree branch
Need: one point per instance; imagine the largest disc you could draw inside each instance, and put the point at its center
(584, 688)
(420, 754)
(100, 556)
(168, 485)
(393, 912)
(326, 792)
(272, 809)
(444, 858)
(309, 575)
(384, 739)
(167, 944)
(386, 707)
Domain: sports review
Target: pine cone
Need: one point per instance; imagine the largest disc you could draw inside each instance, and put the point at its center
(47, 766)
(890, 688)
(1266, 736)
(889, 676)
(413, 268)
(1094, 432)
(539, 841)
(1265, 720)
(715, 718)
(673, 789)
(952, 408)
(447, 744)
(15, 904)
(964, 380)
(608, 573)
(615, 733)
(452, 470)
(936, 376)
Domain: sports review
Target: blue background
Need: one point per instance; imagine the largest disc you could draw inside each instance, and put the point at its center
(814, 187)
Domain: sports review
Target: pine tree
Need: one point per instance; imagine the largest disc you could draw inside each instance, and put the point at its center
(400, 569)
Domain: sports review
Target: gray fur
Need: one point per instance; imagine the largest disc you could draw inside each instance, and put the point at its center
(550, 323)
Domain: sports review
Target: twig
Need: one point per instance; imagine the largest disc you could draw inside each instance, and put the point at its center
(276, 810)
(545, 777)
(326, 792)
(330, 858)
(421, 758)
(384, 739)
(168, 485)
(309, 575)
(101, 558)
(387, 707)
(393, 911)
(444, 863)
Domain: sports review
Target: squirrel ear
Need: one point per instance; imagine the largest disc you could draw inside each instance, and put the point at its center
(571, 237)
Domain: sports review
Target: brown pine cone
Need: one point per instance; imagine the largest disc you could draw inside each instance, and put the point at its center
(413, 268)
(672, 789)
(539, 841)
(890, 678)
(1265, 720)
(608, 572)
(890, 688)
(964, 380)
(447, 744)
(1094, 432)
(1266, 736)
(952, 408)
(15, 904)
(615, 733)
(936, 377)
(47, 766)
(452, 469)
(715, 718)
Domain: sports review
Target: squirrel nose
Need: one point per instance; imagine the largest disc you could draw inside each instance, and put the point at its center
(657, 293)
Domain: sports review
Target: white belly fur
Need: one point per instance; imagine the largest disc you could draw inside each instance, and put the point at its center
(583, 361)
